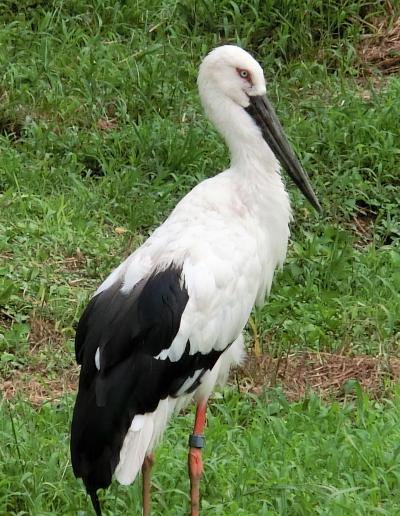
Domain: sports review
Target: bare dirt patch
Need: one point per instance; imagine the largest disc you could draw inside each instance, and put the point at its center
(35, 382)
(324, 373)
(38, 389)
(107, 124)
(15, 118)
(43, 332)
(380, 50)
(71, 268)
(74, 263)
(362, 225)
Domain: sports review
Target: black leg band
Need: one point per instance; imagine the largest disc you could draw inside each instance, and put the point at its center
(197, 441)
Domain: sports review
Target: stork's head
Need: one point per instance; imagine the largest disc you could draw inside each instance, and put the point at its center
(231, 77)
(233, 72)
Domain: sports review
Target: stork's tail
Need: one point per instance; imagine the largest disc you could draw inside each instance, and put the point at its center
(95, 501)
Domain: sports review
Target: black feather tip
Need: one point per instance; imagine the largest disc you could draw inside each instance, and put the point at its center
(95, 501)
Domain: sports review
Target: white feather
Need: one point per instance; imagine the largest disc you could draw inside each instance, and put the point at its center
(163, 354)
(233, 356)
(134, 449)
(138, 423)
(97, 359)
(187, 384)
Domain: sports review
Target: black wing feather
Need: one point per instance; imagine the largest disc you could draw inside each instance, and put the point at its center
(130, 329)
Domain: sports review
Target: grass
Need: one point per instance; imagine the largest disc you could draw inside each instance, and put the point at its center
(101, 133)
(263, 456)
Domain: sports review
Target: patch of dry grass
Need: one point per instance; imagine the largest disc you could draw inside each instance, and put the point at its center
(380, 50)
(325, 373)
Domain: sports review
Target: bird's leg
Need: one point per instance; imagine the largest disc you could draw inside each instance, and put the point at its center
(257, 345)
(146, 472)
(195, 463)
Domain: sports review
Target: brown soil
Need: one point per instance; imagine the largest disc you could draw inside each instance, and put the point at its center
(323, 373)
(71, 267)
(362, 225)
(73, 263)
(107, 124)
(33, 382)
(44, 332)
(33, 386)
(380, 50)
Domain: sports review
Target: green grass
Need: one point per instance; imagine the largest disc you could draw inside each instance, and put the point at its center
(263, 456)
(101, 128)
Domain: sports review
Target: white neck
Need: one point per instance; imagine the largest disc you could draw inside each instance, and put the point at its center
(249, 151)
(252, 160)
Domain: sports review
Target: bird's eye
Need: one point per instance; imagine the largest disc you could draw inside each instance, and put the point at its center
(244, 74)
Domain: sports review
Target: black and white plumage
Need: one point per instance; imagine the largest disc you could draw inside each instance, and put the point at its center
(167, 324)
(119, 343)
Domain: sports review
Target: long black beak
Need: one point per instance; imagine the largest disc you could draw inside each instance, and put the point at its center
(261, 110)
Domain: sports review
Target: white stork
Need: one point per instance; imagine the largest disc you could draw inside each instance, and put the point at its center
(167, 324)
